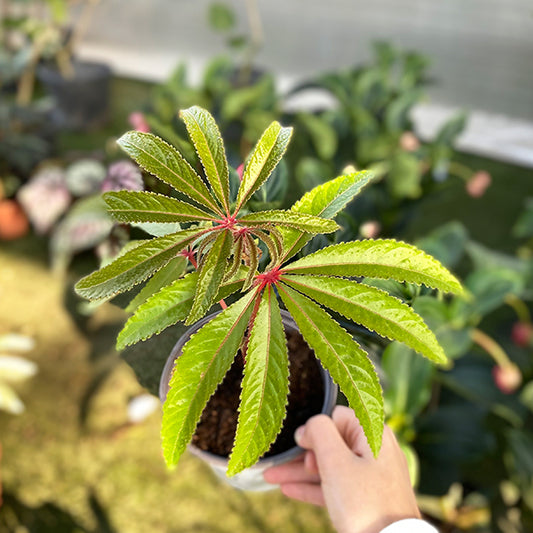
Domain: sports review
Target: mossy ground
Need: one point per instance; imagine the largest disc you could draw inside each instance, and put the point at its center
(107, 476)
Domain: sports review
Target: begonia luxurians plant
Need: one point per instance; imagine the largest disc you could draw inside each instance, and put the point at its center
(221, 241)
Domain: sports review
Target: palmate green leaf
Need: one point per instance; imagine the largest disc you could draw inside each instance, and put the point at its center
(134, 207)
(173, 270)
(300, 221)
(372, 308)
(170, 305)
(265, 386)
(345, 360)
(326, 201)
(386, 259)
(266, 155)
(160, 159)
(210, 276)
(198, 371)
(135, 266)
(207, 141)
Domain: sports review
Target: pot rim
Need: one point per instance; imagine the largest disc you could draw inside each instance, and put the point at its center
(330, 397)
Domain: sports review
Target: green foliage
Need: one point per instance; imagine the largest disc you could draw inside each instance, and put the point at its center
(372, 308)
(205, 136)
(345, 360)
(265, 386)
(370, 126)
(267, 154)
(160, 159)
(221, 17)
(198, 371)
(224, 242)
(378, 259)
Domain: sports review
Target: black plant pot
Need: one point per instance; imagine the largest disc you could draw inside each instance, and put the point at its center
(82, 100)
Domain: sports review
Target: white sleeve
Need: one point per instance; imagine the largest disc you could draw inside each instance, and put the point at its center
(410, 525)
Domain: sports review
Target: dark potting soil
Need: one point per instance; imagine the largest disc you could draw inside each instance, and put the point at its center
(216, 429)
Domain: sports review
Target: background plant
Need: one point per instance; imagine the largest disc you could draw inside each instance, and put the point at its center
(65, 203)
(457, 421)
(369, 126)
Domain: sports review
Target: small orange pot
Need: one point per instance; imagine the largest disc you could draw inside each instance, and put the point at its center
(13, 221)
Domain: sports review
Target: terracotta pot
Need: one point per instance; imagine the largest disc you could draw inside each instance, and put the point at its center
(252, 478)
(14, 223)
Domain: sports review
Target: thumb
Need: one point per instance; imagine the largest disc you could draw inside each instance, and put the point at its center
(320, 435)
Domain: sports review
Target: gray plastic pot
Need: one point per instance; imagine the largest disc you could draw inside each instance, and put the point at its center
(252, 478)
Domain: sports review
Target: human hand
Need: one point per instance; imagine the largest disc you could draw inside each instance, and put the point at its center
(362, 494)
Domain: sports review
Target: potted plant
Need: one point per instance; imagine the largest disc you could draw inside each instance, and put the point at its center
(80, 89)
(225, 243)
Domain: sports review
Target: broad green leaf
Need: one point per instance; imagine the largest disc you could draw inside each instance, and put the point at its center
(170, 305)
(345, 360)
(160, 159)
(266, 155)
(173, 270)
(372, 308)
(405, 176)
(265, 386)
(210, 276)
(409, 381)
(221, 17)
(396, 117)
(300, 221)
(378, 259)
(206, 138)
(322, 134)
(133, 207)
(446, 243)
(135, 266)
(325, 201)
(198, 371)
(453, 331)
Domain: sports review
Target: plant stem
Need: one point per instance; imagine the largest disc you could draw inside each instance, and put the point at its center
(491, 347)
(460, 170)
(519, 307)
(83, 23)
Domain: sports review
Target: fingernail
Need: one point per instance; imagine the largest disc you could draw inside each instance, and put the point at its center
(298, 434)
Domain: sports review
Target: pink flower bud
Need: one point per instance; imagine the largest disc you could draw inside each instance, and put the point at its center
(478, 184)
(138, 121)
(522, 334)
(240, 170)
(507, 377)
(409, 142)
(370, 229)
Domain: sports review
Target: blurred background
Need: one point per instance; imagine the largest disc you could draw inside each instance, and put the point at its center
(435, 97)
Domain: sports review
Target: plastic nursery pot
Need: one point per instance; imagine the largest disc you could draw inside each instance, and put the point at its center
(81, 101)
(250, 479)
